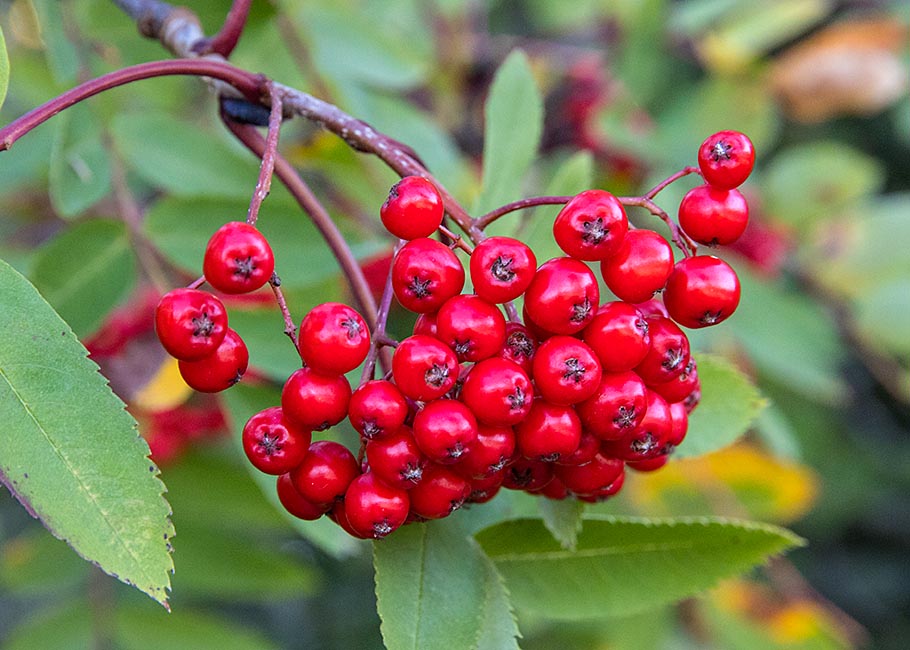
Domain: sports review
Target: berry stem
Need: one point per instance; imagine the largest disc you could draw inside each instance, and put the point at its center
(457, 240)
(289, 328)
(378, 336)
(267, 168)
(226, 39)
(485, 220)
(677, 236)
(685, 171)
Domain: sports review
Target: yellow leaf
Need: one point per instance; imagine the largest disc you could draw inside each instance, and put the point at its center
(165, 390)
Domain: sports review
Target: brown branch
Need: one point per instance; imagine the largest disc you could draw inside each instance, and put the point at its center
(267, 167)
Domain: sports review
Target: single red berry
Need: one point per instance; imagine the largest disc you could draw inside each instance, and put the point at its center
(238, 259)
(439, 494)
(519, 346)
(498, 392)
(474, 328)
(444, 430)
(550, 432)
(619, 336)
(678, 389)
(272, 443)
(425, 324)
(607, 492)
(424, 368)
(649, 439)
(702, 291)
(528, 475)
(616, 407)
(295, 503)
(221, 369)
(640, 267)
(374, 509)
(679, 424)
(563, 296)
(396, 459)
(489, 454)
(565, 370)
(669, 353)
(338, 515)
(502, 268)
(592, 477)
(726, 159)
(591, 226)
(314, 400)
(713, 216)
(484, 489)
(413, 209)
(653, 307)
(649, 464)
(377, 408)
(426, 273)
(325, 473)
(333, 338)
(190, 323)
(588, 447)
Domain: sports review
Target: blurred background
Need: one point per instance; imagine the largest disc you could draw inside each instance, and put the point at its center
(110, 204)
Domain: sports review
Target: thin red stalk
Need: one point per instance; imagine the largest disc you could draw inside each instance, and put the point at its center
(226, 39)
(685, 171)
(485, 220)
(289, 327)
(457, 240)
(198, 282)
(682, 241)
(266, 169)
(247, 83)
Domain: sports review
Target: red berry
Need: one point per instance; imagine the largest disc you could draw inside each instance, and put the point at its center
(333, 338)
(413, 209)
(616, 407)
(566, 370)
(555, 490)
(425, 324)
(377, 408)
(272, 443)
(484, 489)
(338, 515)
(374, 509)
(439, 494)
(490, 452)
(563, 296)
(726, 159)
(396, 459)
(606, 492)
(619, 336)
(550, 432)
(295, 503)
(592, 477)
(650, 438)
(325, 473)
(498, 392)
(315, 401)
(502, 268)
(669, 352)
(519, 346)
(640, 267)
(713, 216)
(678, 389)
(649, 464)
(528, 475)
(679, 424)
(702, 291)
(424, 368)
(444, 430)
(221, 369)
(591, 226)
(238, 259)
(587, 449)
(426, 273)
(190, 323)
(474, 328)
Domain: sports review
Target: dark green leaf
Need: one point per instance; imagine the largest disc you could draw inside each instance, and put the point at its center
(563, 519)
(514, 120)
(71, 453)
(729, 404)
(85, 272)
(624, 565)
(80, 171)
(498, 627)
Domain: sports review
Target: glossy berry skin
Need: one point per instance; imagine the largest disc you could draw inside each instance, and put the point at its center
(519, 346)
(565, 370)
(592, 477)
(374, 509)
(439, 494)
(424, 368)
(396, 459)
(272, 444)
(649, 464)
(295, 503)
(413, 209)
(726, 159)
(425, 324)
(474, 328)
(238, 259)
(377, 408)
(221, 369)
(587, 449)
(679, 425)
(315, 401)
(649, 439)
(640, 267)
(678, 389)
(426, 273)
(528, 475)
(190, 323)
(618, 335)
(333, 338)
(616, 407)
(484, 489)
(325, 473)
(444, 430)
(669, 353)
(712, 216)
(607, 492)
(702, 291)
(498, 392)
(502, 268)
(563, 296)
(591, 226)
(489, 454)
(550, 432)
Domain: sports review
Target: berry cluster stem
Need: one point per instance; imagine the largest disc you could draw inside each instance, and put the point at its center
(289, 327)
(267, 167)
(226, 39)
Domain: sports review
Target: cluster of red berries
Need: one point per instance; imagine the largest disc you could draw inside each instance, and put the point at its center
(558, 404)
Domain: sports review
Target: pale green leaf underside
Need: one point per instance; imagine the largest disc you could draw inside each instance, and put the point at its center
(4, 68)
(70, 452)
(624, 565)
(562, 517)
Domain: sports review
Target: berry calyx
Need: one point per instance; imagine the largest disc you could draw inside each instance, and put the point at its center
(591, 226)
(426, 273)
(502, 268)
(424, 368)
(272, 444)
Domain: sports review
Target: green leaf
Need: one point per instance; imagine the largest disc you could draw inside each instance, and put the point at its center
(4, 68)
(624, 565)
(563, 519)
(85, 272)
(498, 627)
(80, 171)
(514, 121)
(70, 452)
(883, 316)
(430, 586)
(729, 404)
(62, 56)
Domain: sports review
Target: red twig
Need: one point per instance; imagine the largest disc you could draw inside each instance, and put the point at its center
(289, 327)
(226, 39)
(685, 171)
(267, 167)
(681, 239)
(485, 220)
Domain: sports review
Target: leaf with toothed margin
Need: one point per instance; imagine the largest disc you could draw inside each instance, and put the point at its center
(562, 517)
(498, 628)
(623, 565)
(70, 453)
